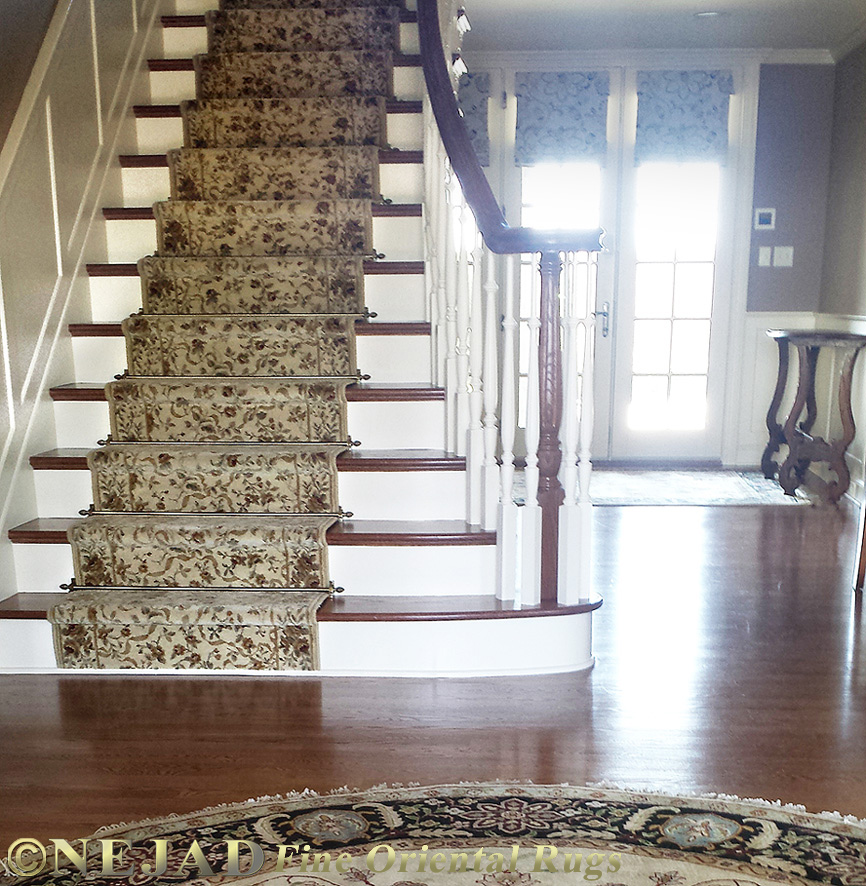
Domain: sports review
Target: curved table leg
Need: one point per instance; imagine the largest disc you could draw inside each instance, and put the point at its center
(794, 467)
(837, 462)
(777, 434)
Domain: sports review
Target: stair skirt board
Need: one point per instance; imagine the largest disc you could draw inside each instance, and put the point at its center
(246, 336)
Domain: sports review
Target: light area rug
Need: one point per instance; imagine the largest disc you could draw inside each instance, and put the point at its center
(654, 487)
(478, 835)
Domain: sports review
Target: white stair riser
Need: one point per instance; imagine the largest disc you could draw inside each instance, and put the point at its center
(156, 135)
(186, 42)
(405, 571)
(399, 425)
(399, 182)
(398, 571)
(397, 298)
(404, 495)
(457, 648)
(383, 357)
(540, 645)
(26, 644)
(173, 87)
(385, 495)
(400, 239)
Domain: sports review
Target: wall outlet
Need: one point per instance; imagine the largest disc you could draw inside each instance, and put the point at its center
(783, 257)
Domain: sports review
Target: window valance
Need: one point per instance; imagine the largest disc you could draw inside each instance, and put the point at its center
(561, 117)
(683, 115)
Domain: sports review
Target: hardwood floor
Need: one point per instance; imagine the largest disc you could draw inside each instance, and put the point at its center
(730, 653)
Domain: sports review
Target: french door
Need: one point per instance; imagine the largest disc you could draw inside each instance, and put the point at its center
(663, 288)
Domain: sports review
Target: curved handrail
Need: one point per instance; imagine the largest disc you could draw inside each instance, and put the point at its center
(498, 235)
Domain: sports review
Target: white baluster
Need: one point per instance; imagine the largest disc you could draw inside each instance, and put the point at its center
(575, 540)
(490, 372)
(432, 200)
(452, 237)
(587, 422)
(442, 255)
(475, 451)
(465, 219)
(530, 513)
(507, 523)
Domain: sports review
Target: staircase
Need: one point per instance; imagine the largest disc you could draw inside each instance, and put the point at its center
(419, 581)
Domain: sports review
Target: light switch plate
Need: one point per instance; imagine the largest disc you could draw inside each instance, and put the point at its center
(765, 256)
(783, 257)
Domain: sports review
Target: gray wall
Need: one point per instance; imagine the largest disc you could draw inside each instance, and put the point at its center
(792, 163)
(844, 278)
(23, 24)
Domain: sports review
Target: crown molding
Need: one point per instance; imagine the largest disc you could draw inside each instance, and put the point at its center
(561, 60)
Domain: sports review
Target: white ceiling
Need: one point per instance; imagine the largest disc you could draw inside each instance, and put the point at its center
(664, 24)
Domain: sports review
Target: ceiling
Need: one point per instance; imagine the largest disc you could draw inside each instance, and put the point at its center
(664, 24)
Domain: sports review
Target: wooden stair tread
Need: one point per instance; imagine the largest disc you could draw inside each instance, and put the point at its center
(359, 393)
(387, 157)
(374, 533)
(392, 106)
(379, 210)
(362, 327)
(374, 268)
(401, 60)
(357, 608)
(199, 21)
(357, 460)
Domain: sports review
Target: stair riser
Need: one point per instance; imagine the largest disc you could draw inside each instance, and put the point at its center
(422, 648)
(399, 182)
(391, 358)
(400, 239)
(393, 425)
(173, 87)
(403, 495)
(156, 135)
(187, 42)
(372, 571)
(398, 298)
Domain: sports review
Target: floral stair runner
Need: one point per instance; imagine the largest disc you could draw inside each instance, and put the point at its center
(206, 547)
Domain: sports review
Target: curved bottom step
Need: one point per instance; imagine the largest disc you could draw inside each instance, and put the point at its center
(408, 636)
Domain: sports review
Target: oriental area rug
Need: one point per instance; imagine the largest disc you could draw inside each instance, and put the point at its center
(468, 835)
(205, 546)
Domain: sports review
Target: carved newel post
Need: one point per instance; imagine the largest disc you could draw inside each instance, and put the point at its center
(550, 491)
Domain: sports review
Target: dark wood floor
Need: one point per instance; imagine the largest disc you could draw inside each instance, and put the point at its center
(731, 658)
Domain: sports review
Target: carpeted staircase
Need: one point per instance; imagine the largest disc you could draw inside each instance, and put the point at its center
(206, 547)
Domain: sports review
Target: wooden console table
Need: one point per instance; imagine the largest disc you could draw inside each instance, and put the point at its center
(803, 447)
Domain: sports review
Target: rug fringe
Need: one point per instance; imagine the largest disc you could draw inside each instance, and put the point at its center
(606, 785)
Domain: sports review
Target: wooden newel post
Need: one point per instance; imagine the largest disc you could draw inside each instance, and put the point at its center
(550, 491)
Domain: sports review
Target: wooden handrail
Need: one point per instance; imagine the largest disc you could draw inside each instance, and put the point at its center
(498, 235)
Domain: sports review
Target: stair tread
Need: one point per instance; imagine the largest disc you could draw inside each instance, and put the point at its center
(52, 530)
(75, 459)
(362, 327)
(392, 106)
(379, 210)
(199, 21)
(387, 157)
(130, 269)
(400, 60)
(362, 392)
(357, 608)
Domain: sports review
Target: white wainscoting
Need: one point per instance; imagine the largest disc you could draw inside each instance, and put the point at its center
(58, 168)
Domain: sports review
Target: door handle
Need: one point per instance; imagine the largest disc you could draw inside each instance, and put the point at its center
(604, 313)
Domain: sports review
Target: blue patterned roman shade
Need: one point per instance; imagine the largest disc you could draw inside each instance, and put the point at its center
(561, 117)
(682, 115)
(473, 93)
